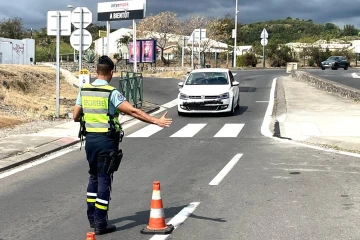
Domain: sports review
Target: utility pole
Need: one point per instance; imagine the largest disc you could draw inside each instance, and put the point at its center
(236, 17)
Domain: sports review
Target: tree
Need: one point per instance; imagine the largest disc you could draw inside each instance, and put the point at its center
(350, 30)
(160, 27)
(12, 28)
(122, 41)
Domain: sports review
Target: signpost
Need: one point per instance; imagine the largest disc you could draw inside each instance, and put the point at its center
(183, 41)
(264, 35)
(196, 36)
(122, 10)
(75, 40)
(84, 77)
(81, 18)
(102, 34)
(58, 24)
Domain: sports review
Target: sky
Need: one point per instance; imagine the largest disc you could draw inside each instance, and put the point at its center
(33, 12)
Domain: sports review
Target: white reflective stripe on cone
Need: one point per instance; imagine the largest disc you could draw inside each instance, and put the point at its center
(156, 195)
(156, 213)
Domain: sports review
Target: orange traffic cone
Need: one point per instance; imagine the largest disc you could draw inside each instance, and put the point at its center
(157, 217)
(90, 236)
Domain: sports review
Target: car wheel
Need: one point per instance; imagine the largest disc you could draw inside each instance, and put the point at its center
(238, 102)
(323, 68)
(232, 111)
(346, 67)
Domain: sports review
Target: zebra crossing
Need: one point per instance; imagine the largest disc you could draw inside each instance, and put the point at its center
(228, 130)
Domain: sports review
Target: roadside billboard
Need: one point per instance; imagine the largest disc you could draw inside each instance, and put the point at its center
(148, 51)
(138, 51)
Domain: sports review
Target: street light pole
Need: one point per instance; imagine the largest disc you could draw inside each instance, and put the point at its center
(235, 39)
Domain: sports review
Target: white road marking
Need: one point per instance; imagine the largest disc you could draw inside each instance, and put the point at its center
(226, 170)
(230, 130)
(309, 129)
(178, 219)
(354, 75)
(38, 162)
(77, 146)
(262, 101)
(189, 130)
(163, 108)
(234, 74)
(265, 129)
(146, 131)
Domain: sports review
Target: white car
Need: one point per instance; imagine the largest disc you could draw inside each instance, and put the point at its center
(209, 90)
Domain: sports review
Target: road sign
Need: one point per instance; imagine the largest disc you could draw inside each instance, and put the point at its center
(233, 34)
(121, 10)
(183, 41)
(84, 71)
(65, 23)
(264, 41)
(195, 36)
(84, 77)
(76, 17)
(264, 34)
(102, 33)
(75, 39)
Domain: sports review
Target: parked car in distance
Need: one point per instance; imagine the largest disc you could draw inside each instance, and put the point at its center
(209, 90)
(335, 62)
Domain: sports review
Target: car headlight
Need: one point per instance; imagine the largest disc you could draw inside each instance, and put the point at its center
(184, 96)
(224, 95)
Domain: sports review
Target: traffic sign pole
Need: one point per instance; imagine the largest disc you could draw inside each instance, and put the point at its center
(134, 45)
(81, 39)
(108, 38)
(58, 66)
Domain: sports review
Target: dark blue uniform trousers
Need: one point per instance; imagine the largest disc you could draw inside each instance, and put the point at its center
(99, 187)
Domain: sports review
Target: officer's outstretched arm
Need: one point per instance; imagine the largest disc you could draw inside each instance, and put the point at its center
(127, 108)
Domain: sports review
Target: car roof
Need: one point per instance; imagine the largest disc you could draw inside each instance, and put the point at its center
(210, 70)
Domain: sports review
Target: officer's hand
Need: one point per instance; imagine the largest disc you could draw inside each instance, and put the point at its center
(163, 121)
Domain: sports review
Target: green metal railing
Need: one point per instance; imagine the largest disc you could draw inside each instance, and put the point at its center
(131, 85)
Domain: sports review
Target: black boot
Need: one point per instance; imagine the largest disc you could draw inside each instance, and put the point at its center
(108, 229)
(92, 224)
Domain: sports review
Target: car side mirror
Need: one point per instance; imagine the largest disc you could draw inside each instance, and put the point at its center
(181, 84)
(235, 83)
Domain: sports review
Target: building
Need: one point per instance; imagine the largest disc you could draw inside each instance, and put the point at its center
(208, 45)
(17, 51)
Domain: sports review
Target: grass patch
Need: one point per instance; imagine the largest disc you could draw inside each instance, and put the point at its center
(6, 121)
(30, 92)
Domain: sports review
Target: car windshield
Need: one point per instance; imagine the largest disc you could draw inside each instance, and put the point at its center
(207, 78)
(333, 58)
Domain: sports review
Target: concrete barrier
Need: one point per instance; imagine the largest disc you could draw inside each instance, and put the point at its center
(327, 85)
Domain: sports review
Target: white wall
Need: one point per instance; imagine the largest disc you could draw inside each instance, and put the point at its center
(17, 51)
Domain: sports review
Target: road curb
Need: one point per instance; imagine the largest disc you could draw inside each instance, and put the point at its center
(62, 144)
(327, 85)
(42, 154)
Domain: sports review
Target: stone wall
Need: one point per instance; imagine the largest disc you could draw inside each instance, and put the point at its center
(327, 85)
(74, 67)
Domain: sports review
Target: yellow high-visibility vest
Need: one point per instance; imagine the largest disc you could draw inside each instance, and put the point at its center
(95, 103)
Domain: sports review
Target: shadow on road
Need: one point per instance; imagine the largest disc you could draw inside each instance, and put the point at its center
(142, 218)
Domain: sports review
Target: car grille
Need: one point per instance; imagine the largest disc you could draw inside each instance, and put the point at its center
(204, 108)
(206, 97)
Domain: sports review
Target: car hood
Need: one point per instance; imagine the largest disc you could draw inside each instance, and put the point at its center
(328, 61)
(198, 90)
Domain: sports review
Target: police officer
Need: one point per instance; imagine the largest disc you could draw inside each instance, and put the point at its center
(97, 108)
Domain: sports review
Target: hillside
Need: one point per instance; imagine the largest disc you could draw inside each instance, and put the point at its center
(294, 30)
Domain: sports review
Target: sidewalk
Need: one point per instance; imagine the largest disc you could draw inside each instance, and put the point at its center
(310, 115)
(19, 149)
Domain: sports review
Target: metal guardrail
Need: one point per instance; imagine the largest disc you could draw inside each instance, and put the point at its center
(131, 85)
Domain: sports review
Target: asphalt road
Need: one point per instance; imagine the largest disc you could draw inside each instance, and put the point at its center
(275, 191)
(340, 76)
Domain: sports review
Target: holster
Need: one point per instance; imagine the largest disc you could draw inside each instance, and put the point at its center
(111, 161)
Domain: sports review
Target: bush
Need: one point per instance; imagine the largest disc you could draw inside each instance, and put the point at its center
(248, 59)
(311, 62)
